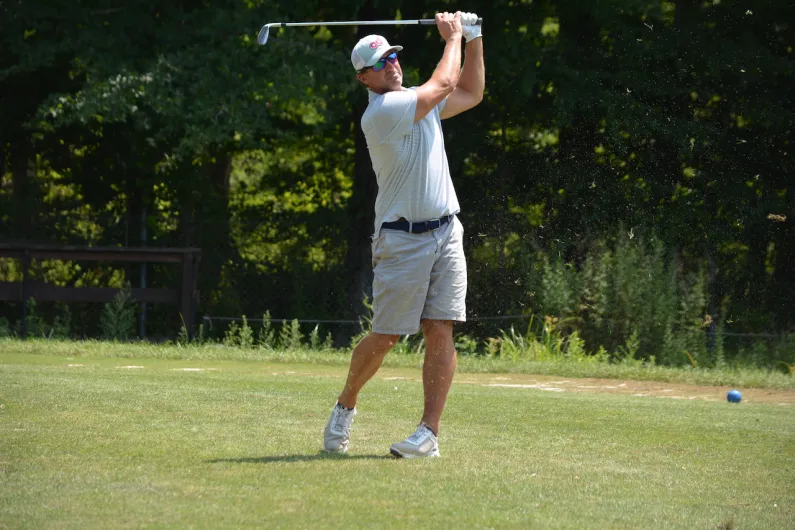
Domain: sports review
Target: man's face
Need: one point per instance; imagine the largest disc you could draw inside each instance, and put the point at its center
(387, 79)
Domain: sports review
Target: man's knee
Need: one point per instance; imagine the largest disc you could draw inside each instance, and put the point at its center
(382, 342)
(438, 337)
(437, 328)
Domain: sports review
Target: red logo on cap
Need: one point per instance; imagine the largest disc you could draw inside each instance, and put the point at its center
(375, 44)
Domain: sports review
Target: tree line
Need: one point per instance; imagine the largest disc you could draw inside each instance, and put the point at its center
(664, 125)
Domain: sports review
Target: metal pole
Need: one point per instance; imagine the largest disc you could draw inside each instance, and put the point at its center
(25, 292)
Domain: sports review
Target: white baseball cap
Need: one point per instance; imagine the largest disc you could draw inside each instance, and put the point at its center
(369, 51)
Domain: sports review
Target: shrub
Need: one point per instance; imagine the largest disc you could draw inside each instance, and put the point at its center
(290, 337)
(117, 321)
(632, 299)
(265, 337)
(5, 328)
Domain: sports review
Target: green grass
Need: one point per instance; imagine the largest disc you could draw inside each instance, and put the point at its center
(99, 445)
(739, 376)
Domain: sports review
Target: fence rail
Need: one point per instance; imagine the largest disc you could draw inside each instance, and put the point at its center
(185, 297)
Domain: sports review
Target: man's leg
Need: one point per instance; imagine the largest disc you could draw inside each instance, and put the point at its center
(438, 369)
(365, 362)
(437, 376)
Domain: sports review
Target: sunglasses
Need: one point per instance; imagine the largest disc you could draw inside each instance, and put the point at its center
(381, 64)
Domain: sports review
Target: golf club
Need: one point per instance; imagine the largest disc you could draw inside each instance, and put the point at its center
(262, 38)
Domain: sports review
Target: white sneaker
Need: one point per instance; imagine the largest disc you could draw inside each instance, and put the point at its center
(338, 429)
(420, 444)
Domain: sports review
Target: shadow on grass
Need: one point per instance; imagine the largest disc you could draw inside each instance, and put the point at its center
(298, 458)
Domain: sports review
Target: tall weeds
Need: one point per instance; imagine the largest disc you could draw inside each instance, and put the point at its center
(634, 300)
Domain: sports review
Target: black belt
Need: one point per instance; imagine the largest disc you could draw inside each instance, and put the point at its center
(419, 227)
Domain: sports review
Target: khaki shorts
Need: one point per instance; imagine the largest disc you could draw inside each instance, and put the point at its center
(418, 276)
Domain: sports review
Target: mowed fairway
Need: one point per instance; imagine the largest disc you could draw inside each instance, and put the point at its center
(129, 443)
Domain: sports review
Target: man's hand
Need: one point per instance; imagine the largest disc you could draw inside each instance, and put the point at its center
(449, 25)
(471, 82)
(471, 30)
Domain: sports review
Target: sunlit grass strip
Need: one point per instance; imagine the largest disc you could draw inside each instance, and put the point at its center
(740, 376)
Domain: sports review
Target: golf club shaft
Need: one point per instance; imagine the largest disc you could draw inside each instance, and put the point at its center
(423, 21)
(262, 37)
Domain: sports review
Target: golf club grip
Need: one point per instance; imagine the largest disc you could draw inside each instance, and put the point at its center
(432, 22)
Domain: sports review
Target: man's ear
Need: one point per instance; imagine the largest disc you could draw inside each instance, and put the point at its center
(361, 77)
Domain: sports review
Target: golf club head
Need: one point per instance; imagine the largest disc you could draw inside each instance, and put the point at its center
(262, 38)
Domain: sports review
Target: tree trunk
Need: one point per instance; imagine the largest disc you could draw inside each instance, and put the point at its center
(214, 233)
(135, 204)
(362, 216)
(23, 190)
(361, 211)
(187, 215)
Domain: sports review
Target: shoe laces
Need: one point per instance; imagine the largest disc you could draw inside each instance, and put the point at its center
(343, 420)
(422, 432)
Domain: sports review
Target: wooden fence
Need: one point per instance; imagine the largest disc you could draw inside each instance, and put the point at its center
(185, 297)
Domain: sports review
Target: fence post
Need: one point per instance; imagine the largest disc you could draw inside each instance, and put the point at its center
(186, 292)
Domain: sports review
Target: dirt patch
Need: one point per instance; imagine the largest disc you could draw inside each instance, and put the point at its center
(584, 385)
(579, 385)
(634, 388)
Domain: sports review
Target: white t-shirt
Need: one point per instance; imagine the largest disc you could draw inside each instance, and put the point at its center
(409, 159)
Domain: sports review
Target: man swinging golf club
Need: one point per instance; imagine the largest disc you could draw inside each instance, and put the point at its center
(420, 277)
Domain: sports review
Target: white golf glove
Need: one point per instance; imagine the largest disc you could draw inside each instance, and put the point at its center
(471, 30)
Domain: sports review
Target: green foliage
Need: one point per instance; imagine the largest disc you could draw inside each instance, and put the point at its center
(627, 353)
(785, 350)
(632, 299)
(38, 326)
(315, 342)
(543, 341)
(265, 337)
(184, 338)
(409, 345)
(575, 347)
(716, 351)
(290, 336)
(231, 335)
(559, 288)
(239, 335)
(245, 335)
(5, 328)
(62, 322)
(466, 345)
(117, 321)
(250, 153)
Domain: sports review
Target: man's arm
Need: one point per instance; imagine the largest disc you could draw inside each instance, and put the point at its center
(468, 92)
(445, 77)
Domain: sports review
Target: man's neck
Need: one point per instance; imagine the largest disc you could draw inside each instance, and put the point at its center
(383, 91)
